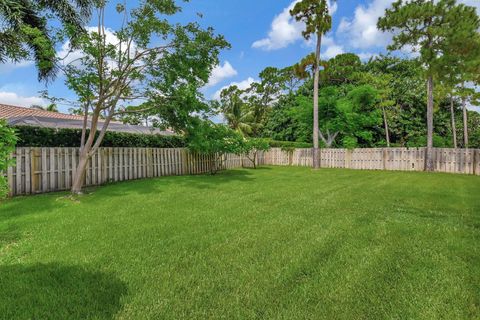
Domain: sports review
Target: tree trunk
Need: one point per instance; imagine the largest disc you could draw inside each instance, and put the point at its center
(465, 123)
(429, 151)
(385, 123)
(85, 150)
(330, 139)
(316, 83)
(80, 172)
(454, 127)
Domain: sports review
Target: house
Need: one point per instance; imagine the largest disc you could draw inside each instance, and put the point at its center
(22, 116)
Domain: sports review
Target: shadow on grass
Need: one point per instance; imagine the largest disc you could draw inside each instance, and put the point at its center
(53, 291)
(26, 205)
(155, 186)
(35, 204)
(9, 235)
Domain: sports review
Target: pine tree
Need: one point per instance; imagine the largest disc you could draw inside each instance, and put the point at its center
(316, 16)
(438, 30)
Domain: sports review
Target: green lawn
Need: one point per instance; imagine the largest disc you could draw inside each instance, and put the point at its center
(272, 243)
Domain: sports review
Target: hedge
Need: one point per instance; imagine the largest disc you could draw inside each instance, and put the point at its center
(48, 137)
(289, 144)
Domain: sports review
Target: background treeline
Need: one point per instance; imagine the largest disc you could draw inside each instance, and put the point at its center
(377, 103)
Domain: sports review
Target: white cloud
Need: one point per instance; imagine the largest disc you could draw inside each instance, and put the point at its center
(333, 51)
(242, 85)
(12, 98)
(284, 30)
(67, 55)
(10, 65)
(330, 48)
(220, 73)
(361, 31)
(366, 55)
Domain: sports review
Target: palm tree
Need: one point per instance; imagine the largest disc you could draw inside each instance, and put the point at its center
(51, 107)
(25, 34)
(238, 117)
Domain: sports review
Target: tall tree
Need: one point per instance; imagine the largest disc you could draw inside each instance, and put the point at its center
(439, 30)
(318, 21)
(468, 80)
(383, 85)
(262, 95)
(236, 112)
(26, 35)
(139, 71)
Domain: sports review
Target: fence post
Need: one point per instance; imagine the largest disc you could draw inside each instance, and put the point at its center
(11, 183)
(476, 162)
(33, 167)
(348, 158)
(384, 158)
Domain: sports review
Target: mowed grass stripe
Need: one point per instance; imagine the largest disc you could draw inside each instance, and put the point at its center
(272, 243)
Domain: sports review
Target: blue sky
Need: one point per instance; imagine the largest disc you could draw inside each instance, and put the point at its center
(261, 33)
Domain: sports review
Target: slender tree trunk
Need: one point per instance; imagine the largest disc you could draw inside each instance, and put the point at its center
(454, 128)
(80, 172)
(316, 84)
(385, 122)
(429, 151)
(77, 182)
(465, 123)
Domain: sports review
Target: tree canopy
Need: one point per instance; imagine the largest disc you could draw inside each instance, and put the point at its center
(26, 35)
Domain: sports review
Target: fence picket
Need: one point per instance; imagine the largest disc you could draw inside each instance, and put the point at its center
(38, 170)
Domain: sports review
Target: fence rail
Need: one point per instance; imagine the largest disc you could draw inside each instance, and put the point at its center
(41, 170)
(466, 161)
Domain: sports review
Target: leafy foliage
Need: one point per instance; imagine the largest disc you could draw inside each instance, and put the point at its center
(251, 147)
(8, 141)
(153, 66)
(375, 103)
(233, 106)
(215, 141)
(445, 34)
(47, 137)
(289, 144)
(26, 35)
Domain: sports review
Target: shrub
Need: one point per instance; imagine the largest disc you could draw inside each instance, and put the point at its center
(289, 144)
(251, 147)
(350, 142)
(215, 141)
(48, 137)
(8, 140)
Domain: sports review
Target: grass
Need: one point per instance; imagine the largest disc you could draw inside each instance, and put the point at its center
(272, 243)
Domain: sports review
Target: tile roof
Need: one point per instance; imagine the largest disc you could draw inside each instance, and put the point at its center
(8, 111)
(21, 116)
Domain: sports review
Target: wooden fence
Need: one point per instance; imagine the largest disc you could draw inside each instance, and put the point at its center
(40, 170)
(466, 161)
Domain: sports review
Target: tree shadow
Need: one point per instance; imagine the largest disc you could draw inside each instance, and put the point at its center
(26, 205)
(34, 204)
(209, 181)
(9, 235)
(54, 291)
(158, 184)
